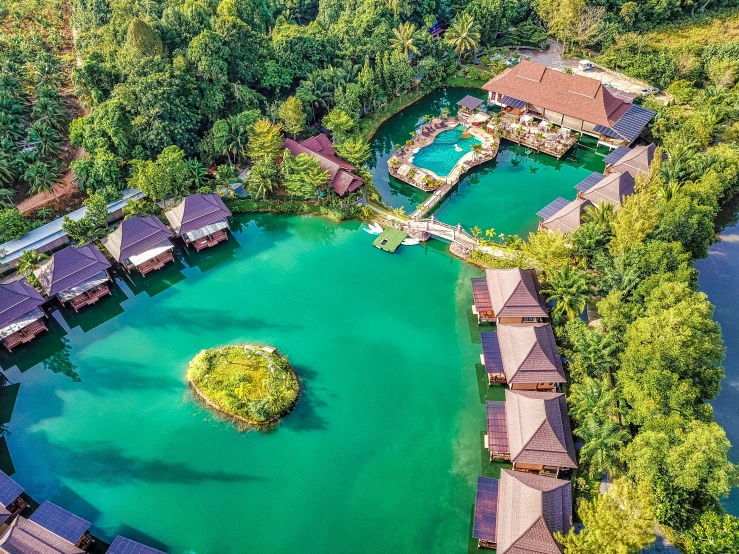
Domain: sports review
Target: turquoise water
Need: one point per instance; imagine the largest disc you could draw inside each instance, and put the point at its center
(381, 453)
(503, 194)
(443, 154)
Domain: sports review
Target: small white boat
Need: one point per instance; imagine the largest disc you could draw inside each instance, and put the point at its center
(368, 230)
(410, 242)
(376, 228)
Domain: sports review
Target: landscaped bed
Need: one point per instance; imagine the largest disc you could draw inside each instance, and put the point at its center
(253, 385)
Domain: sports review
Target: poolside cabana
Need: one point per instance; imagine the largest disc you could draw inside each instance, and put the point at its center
(21, 314)
(524, 356)
(76, 276)
(65, 525)
(201, 220)
(11, 503)
(141, 243)
(611, 189)
(25, 536)
(508, 296)
(567, 218)
(572, 101)
(122, 545)
(468, 111)
(537, 437)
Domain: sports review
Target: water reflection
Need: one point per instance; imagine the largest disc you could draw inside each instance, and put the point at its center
(41, 348)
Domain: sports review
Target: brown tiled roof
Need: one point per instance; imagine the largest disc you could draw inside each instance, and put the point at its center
(567, 218)
(515, 293)
(530, 354)
(17, 299)
(70, 267)
(135, 236)
(539, 429)
(26, 537)
(637, 161)
(611, 189)
(339, 171)
(572, 95)
(531, 508)
(197, 211)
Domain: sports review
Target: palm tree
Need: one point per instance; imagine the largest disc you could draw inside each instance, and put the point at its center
(8, 166)
(600, 214)
(29, 261)
(668, 191)
(406, 38)
(604, 440)
(40, 177)
(197, 172)
(463, 35)
(46, 139)
(476, 150)
(11, 128)
(49, 112)
(593, 397)
(5, 197)
(569, 287)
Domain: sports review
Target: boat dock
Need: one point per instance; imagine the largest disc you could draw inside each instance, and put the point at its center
(390, 239)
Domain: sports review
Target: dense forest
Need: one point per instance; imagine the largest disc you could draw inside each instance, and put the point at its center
(182, 95)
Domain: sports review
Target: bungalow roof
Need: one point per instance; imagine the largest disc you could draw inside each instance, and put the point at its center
(611, 189)
(529, 354)
(137, 235)
(568, 218)
(514, 293)
(70, 267)
(197, 211)
(17, 299)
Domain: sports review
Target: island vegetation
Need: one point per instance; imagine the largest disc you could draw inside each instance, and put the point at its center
(252, 385)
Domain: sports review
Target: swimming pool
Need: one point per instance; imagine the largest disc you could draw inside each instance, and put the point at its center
(443, 154)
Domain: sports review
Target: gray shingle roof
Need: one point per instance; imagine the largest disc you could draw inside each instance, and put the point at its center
(611, 189)
(70, 267)
(26, 537)
(637, 161)
(17, 299)
(515, 293)
(539, 429)
(135, 236)
(529, 354)
(531, 508)
(197, 211)
(567, 218)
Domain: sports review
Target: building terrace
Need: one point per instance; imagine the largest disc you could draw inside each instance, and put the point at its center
(21, 313)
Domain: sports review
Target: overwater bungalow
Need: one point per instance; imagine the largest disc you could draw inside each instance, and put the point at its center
(76, 276)
(21, 314)
(634, 161)
(469, 111)
(572, 101)
(524, 356)
(532, 430)
(24, 536)
(201, 220)
(609, 189)
(521, 512)
(567, 218)
(141, 243)
(340, 178)
(65, 525)
(11, 503)
(508, 296)
(122, 545)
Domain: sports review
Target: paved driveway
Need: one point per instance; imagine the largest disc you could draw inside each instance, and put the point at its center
(625, 87)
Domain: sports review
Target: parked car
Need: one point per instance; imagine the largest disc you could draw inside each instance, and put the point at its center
(585, 65)
(649, 90)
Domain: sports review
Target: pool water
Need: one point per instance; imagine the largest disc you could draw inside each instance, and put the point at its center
(381, 453)
(504, 193)
(443, 154)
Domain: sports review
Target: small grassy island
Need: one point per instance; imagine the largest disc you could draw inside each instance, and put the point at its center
(255, 385)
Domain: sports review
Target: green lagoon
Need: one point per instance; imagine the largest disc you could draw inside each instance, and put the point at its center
(381, 453)
(504, 194)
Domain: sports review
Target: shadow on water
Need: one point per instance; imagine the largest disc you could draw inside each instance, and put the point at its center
(108, 377)
(155, 282)
(210, 258)
(306, 416)
(61, 362)
(209, 319)
(91, 462)
(90, 317)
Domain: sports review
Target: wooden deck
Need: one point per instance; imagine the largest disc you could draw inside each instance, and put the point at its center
(208, 241)
(27, 334)
(90, 297)
(157, 262)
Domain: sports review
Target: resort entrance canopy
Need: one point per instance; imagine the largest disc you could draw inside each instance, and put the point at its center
(573, 101)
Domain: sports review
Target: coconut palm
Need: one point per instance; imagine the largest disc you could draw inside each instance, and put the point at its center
(197, 172)
(11, 128)
(49, 112)
(593, 397)
(29, 261)
(463, 35)
(668, 191)
(406, 38)
(45, 138)
(604, 440)
(8, 166)
(569, 287)
(40, 177)
(5, 197)
(600, 214)
(476, 150)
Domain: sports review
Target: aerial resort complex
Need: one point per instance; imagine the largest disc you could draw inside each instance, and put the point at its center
(368, 277)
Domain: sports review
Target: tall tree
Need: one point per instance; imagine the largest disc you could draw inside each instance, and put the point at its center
(292, 115)
(406, 38)
(569, 288)
(463, 35)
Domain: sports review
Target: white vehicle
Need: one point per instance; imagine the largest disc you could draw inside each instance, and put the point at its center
(585, 65)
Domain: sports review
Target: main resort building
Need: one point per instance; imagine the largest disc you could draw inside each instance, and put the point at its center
(575, 102)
